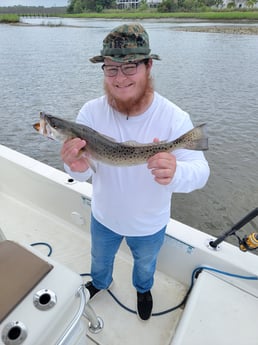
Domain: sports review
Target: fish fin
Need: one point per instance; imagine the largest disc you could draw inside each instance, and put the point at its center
(195, 139)
(199, 144)
(89, 160)
(161, 142)
(109, 138)
(131, 143)
(136, 143)
(92, 164)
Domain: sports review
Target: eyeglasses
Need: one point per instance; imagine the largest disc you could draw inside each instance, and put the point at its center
(127, 69)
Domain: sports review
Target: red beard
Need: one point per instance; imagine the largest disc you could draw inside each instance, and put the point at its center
(132, 105)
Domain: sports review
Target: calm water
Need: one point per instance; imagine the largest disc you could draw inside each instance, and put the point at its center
(212, 76)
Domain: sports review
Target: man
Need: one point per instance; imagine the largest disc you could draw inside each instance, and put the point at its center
(132, 202)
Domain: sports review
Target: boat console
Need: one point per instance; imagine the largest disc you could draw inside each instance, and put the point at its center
(41, 301)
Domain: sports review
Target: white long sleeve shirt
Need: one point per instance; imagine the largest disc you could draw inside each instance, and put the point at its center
(128, 200)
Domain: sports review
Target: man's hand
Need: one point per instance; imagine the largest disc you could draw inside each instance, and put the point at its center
(72, 156)
(163, 166)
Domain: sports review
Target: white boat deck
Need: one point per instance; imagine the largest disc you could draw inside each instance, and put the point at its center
(38, 205)
(72, 248)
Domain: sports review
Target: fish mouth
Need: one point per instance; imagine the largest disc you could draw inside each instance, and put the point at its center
(37, 126)
(41, 126)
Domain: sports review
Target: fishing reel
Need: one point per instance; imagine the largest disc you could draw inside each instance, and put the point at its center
(249, 242)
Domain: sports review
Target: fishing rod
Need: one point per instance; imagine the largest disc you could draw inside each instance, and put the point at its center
(249, 242)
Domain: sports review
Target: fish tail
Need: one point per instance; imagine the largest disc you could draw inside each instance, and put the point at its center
(199, 145)
(195, 139)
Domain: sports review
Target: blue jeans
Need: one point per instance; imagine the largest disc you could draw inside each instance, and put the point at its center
(105, 244)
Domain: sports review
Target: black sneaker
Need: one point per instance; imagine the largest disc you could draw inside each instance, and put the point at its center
(144, 305)
(92, 290)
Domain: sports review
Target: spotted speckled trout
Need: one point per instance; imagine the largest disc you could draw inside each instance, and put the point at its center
(105, 149)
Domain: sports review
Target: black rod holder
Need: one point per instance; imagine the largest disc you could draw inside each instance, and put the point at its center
(235, 227)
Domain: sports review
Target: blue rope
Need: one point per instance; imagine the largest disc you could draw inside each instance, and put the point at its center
(195, 272)
(43, 244)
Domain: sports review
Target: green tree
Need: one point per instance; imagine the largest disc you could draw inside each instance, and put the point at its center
(251, 3)
(167, 6)
(79, 6)
(231, 4)
(219, 3)
(143, 5)
(75, 6)
(91, 5)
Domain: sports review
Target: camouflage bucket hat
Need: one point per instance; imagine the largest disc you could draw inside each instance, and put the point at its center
(126, 43)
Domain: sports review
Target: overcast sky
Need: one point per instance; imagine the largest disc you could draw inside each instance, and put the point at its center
(45, 3)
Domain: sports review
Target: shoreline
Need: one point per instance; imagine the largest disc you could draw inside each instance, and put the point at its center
(239, 27)
(229, 26)
(223, 29)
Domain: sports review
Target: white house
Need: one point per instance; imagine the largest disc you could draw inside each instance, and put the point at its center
(136, 3)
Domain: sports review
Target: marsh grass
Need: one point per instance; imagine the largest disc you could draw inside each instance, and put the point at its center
(9, 18)
(211, 15)
(223, 15)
